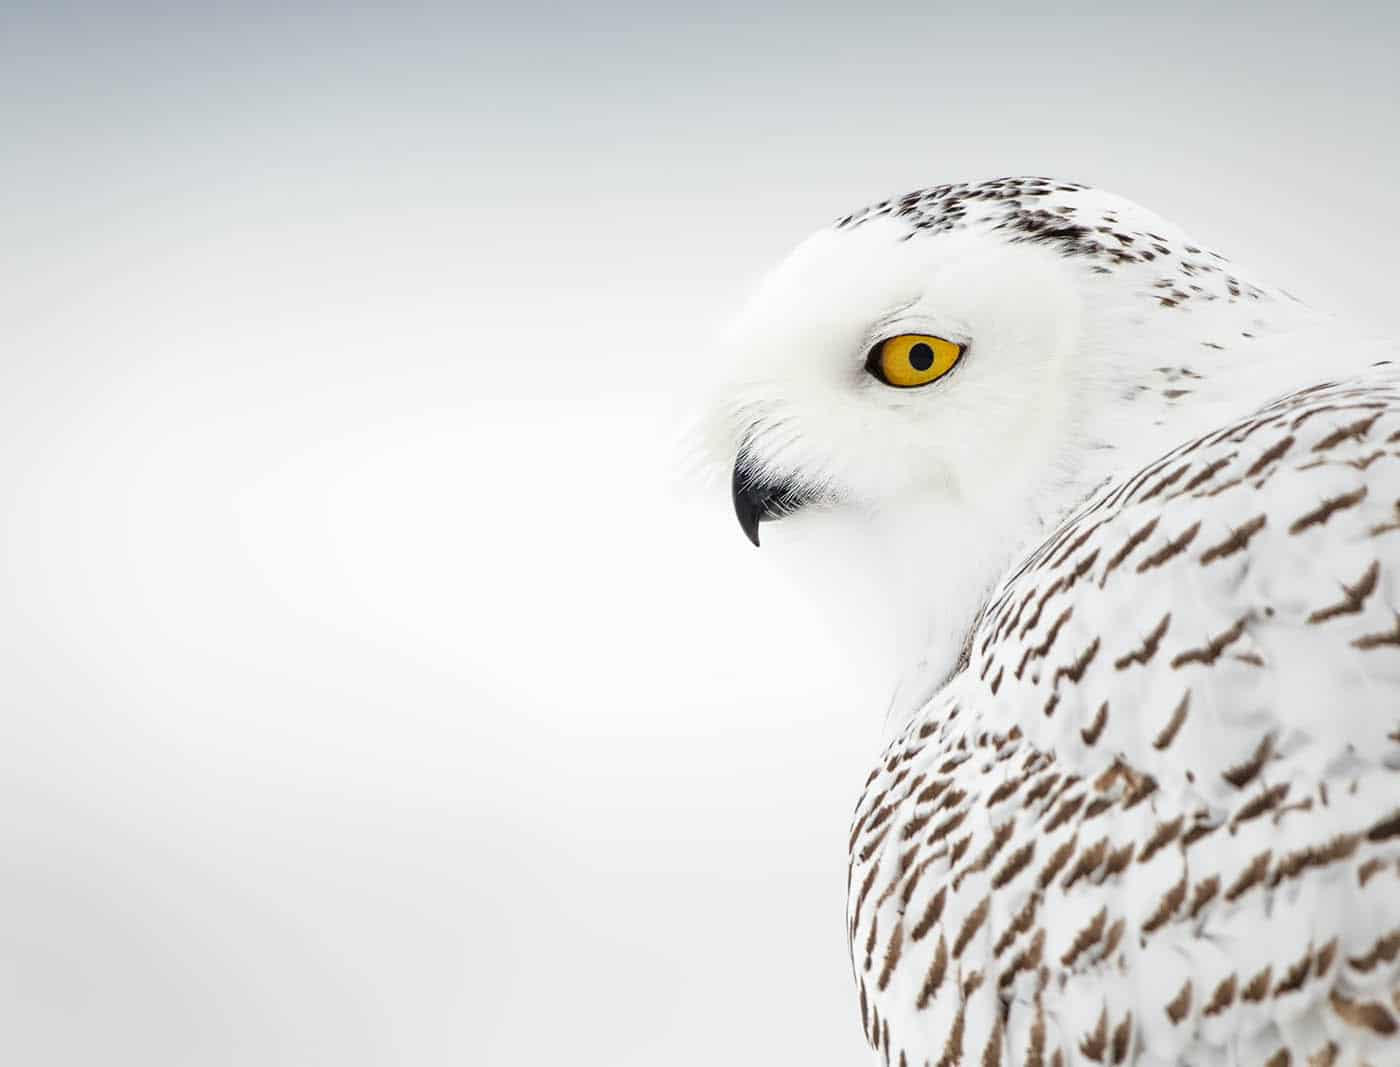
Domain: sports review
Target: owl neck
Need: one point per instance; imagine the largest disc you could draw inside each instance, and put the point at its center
(1135, 407)
(944, 557)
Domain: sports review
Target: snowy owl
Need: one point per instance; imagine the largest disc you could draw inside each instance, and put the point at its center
(1139, 512)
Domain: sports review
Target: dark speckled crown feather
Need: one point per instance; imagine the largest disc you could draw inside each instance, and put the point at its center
(1073, 219)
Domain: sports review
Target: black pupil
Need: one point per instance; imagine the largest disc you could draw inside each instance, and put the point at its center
(921, 356)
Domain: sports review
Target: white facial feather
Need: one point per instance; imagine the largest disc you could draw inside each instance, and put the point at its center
(813, 412)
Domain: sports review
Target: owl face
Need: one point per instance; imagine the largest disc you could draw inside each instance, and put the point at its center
(874, 371)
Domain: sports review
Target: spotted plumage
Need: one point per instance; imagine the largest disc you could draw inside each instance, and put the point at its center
(1140, 826)
(1140, 798)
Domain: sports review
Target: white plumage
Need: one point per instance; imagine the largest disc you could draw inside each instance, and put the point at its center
(1140, 802)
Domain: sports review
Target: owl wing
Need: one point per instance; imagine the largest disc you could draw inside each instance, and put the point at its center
(1156, 818)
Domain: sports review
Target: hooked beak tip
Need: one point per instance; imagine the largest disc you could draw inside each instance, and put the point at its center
(747, 508)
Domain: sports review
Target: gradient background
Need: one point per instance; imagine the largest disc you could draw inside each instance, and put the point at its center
(376, 689)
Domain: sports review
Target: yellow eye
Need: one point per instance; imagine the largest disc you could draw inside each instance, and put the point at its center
(912, 359)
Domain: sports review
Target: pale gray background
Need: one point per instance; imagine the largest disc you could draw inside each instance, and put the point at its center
(374, 691)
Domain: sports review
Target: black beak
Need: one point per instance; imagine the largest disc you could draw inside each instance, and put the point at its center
(757, 501)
